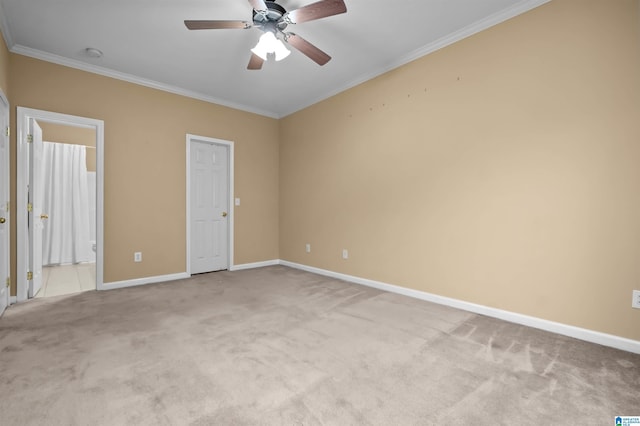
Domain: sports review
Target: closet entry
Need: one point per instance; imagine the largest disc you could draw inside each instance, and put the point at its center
(209, 204)
(59, 204)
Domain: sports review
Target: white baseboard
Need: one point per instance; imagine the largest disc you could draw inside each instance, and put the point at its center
(253, 265)
(179, 276)
(143, 281)
(13, 299)
(554, 327)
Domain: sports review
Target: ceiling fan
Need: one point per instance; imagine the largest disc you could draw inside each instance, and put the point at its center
(272, 19)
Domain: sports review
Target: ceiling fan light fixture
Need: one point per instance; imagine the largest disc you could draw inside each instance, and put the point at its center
(268, 43)
(273, 19)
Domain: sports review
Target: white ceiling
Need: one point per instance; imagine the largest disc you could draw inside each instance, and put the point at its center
(145, 41)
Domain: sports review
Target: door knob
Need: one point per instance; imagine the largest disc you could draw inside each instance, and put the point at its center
(2, 220)
(224, 214)
(44, 216)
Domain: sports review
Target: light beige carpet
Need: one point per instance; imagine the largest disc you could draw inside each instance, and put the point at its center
(278, 346)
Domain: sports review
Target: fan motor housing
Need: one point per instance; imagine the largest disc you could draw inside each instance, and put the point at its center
(272, 16)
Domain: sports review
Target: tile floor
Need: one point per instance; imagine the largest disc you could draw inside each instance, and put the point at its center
(67, 279)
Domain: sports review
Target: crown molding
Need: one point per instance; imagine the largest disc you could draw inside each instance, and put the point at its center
(71, 63)
(474, 28)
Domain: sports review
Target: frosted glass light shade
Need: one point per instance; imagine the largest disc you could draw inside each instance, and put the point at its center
(268, 43)
(281, 51)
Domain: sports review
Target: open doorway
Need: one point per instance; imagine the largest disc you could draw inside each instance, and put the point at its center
(68, 180)
(59, 204)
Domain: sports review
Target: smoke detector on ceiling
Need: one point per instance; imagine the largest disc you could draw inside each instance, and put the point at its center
(92, 52)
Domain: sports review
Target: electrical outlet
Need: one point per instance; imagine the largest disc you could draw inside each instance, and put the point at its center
(345, 253)
(635, 302)
(308, 248)
(137, 256)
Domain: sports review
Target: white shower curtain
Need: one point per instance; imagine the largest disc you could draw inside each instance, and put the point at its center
(64, 181)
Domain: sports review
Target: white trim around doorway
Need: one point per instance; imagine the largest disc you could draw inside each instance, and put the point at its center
(22, 121)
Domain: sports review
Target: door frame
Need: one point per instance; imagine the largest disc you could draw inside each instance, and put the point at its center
(230, 187)
(22, 121)
(6, 110)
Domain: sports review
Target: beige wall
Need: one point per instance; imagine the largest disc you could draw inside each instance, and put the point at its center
(502, 170)
(53, 132)
(145, 165)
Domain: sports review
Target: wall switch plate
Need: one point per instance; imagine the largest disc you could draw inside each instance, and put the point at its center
(237, 201)
(308, 248)
(345, 253)
(137, 256)
(635, 303)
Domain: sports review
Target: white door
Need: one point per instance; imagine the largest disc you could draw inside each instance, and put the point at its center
(4, 204)
(35, 215)
(209, 198)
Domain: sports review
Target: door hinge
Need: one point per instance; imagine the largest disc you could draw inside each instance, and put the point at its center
(8, 205)
(29, 207)
(29, 276)
(8, 281)
(29, 138)
(8, 131)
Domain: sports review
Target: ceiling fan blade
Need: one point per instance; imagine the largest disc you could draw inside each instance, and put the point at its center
(317, 10)
(258, 4)
(255, 63)
(217, 25)
(315, 54)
